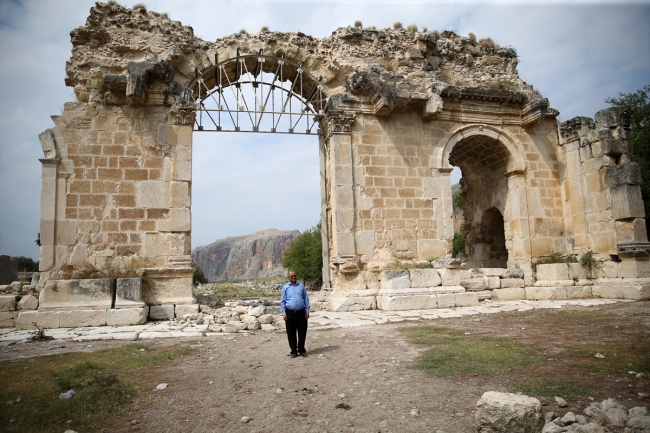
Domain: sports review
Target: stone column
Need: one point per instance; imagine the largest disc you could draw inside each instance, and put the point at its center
(48, 212)
(339, 142)
(519, 244)
(324, 181)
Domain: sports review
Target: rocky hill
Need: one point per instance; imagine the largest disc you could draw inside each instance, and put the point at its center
(258, 255)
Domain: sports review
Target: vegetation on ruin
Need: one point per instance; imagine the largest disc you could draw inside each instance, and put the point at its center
(397, 25)
(458, 243)
(553, 258)
(639, 104)
(412, 29)
(358, 23)
(140, 6)
(265, 29)
(105, 382)
(199, 276)
(590, 264)
(305, 256)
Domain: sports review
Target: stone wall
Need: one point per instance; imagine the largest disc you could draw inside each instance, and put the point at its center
(402, 110)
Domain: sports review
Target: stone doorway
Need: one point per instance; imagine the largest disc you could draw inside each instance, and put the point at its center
(484, 162)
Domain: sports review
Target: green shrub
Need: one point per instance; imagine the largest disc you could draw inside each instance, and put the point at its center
(305, 256)
(412, 29)
(199, 276)
(589, 264)
(458, 243)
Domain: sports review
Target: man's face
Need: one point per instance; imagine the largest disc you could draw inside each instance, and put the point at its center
(292, 277)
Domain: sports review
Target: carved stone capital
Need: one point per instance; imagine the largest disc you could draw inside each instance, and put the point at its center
(575, 128)
(339, 122)
(183, 113)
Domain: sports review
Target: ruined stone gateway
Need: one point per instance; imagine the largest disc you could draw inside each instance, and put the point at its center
(393, 111)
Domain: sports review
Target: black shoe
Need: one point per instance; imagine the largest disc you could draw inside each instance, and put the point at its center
(294, 355)
(303, 354)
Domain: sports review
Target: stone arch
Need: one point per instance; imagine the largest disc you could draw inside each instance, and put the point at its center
(446, 145)
(488, 158)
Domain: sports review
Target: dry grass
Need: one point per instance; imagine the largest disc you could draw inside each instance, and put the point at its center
(397, 25)
(358, 23)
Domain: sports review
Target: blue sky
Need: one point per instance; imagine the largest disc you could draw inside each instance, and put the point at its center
(577, 54)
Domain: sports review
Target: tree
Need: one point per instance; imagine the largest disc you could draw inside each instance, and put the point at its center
(26, 264)
(199, 276)
(305, 256)
(639, 104)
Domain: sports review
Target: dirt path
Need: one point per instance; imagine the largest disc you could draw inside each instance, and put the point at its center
(359, 380)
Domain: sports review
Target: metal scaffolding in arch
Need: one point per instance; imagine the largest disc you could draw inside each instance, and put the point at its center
(258, 93)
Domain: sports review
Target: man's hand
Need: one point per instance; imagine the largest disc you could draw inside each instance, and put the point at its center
(285, 317)
(306, 315)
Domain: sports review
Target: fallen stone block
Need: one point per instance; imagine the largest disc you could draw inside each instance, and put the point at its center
(398, 302)
(614, 288)
(509, 294)
(265, 319)
(482, 295)
(43, 319)
(7, 303)
(183, 309)
(127, 316)
(28, 302)
(353, 303)
(161, 312)
(257, 311)
(498, 412)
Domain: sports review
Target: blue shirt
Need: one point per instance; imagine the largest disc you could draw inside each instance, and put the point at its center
(294, 297)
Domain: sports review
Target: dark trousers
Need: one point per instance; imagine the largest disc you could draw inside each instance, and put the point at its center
(296, 324)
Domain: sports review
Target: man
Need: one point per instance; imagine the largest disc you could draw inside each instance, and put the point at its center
(295, 311)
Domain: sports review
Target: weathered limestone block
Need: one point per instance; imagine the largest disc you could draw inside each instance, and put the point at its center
(499, 412)
(127, 316)
(78, 318)
(553, 272)
(8, 319)
(627, 202)
(7, 302)
(398, 279)
(353, 303)
(28, 302)
(474, 284)
(578, 292)
(397, 302)
(466, 299)
(634, 269)
(450, 277)
(466, 274)
(575, 271)
(509, 294)
(161, 312)
(76, 294)
(546, 293)
(556, 283)
(239, 326)
(43, 319)
(483, 295)
(495, 272)
(613, 288)
(182, 310)
(431, 248)
(507, 283)
(424, 278)
(257, 311)
(515, 273)
(494, 282)
(265, 319)
(129, 293)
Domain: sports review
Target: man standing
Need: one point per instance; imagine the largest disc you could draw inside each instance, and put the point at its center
(295, 311)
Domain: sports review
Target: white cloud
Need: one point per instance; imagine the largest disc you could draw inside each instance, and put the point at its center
(577, 55)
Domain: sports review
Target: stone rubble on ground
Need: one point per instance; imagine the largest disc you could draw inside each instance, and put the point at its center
(498, 412)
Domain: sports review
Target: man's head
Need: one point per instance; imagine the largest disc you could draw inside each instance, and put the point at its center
(292, 276)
